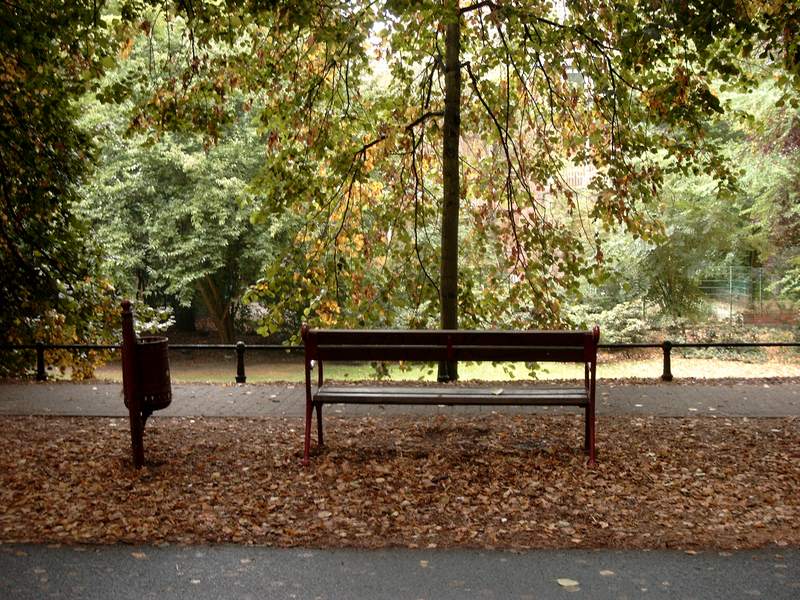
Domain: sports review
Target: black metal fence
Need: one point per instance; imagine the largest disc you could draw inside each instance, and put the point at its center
(240, 348)
(667, 346)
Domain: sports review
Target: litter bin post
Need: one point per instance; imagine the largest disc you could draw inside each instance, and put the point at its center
(129, 383)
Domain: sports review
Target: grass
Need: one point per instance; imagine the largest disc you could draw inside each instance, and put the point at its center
(262, 368)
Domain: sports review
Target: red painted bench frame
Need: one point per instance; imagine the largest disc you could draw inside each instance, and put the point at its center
(449, 345)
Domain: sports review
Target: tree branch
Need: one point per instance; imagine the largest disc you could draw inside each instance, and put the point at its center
(363, 150)
(424, 117)
(478, 6)
(417, 180)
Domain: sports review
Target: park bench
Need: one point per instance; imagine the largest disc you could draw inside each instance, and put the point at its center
(449, 345)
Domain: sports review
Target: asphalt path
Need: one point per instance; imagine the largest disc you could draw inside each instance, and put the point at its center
(240, 572)
(775, 398)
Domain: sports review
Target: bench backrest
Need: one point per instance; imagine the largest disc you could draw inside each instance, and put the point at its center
(450, 345)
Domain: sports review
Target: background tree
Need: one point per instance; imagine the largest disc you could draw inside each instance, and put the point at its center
(768, 153)
(50, 53)
(172, 213)
(174, 220)
(707, 229)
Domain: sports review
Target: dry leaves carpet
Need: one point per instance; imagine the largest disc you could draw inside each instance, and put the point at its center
(491, 481)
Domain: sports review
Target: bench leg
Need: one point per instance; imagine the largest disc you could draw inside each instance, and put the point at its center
(588, 445)
(307, 443)
(586, 432)
(590, 433)
(319, 424)
(309, 408)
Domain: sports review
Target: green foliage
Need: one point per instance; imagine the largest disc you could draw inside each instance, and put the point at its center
(49, 54)
(620, 323)
(175, 223)
(149, 320)
(173, 214)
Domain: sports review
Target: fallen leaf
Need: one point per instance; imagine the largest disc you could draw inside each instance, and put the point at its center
(567, 582)
(139, 555)
(607, 573)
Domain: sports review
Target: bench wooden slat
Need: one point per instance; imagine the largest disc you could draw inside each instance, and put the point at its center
(343, 352)
(440, 337)
(432, 353)
(499, 390)
(452, 396)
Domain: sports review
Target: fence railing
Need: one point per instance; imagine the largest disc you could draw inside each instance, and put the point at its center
(667, 346)
(240, 348)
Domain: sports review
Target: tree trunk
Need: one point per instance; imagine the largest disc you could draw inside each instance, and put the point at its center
(219, 311)
(448, 371)
(185, 318)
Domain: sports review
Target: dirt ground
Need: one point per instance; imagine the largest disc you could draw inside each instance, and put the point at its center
(485, 482)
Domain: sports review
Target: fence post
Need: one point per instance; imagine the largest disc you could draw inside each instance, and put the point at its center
(666, 346)
(730, 293)
(240, 376)
(40, 374)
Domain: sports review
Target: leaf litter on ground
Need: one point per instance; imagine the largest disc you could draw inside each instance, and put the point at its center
(491, 481)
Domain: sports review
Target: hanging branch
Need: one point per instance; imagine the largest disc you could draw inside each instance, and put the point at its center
(348, 196)
(189, 10)
(507, 145)
(417, 180)
(530, 97)
(503, 134)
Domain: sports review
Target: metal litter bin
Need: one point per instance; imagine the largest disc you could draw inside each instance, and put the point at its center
(153, 385)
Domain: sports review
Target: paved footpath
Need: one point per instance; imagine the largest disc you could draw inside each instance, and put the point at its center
(737, 399)
(228, 572)
(211, 572)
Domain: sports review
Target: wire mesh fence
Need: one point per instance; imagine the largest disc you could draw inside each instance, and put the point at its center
(752, 295)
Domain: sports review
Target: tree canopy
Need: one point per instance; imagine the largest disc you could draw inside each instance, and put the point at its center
(355, 97)
(564, 121)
